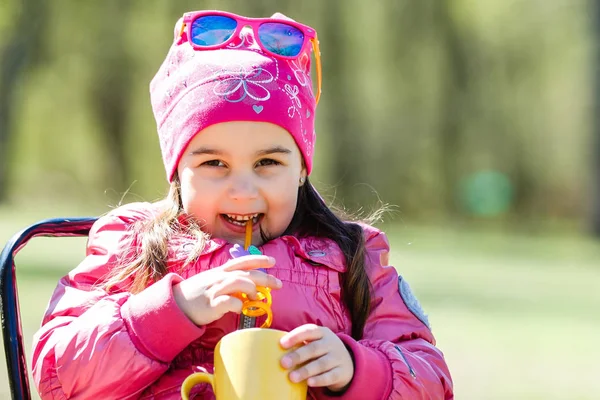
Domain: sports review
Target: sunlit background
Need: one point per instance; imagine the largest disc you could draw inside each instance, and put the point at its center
(475, 119)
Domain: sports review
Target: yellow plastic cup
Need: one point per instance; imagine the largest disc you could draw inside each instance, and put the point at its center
(247, 367)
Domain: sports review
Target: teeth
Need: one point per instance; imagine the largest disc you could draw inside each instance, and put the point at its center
(242, 220)
(241, 217)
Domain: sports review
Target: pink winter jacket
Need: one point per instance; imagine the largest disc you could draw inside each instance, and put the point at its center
(99, 345)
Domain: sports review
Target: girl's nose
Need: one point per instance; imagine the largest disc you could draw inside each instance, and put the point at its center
(242, 188)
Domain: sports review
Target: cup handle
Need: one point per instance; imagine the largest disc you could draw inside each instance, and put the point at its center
(193, 380)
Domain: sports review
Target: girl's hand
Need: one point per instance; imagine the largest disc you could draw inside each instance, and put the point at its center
(209, 295)
(327, 360)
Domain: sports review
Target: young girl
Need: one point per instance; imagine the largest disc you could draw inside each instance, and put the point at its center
(235, 111)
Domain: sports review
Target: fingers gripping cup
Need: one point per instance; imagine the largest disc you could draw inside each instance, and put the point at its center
(247, 366)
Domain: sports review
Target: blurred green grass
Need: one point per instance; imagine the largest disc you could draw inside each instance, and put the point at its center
(516, 315)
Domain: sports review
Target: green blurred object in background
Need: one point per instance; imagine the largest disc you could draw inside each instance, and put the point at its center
(486, 193)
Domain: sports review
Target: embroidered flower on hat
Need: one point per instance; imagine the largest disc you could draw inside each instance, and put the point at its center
(299, 67)
(292, 92)
(236, 83)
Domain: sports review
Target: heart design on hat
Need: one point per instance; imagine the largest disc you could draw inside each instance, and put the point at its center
(257, 109)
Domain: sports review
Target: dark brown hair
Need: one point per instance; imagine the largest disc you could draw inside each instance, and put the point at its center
(314, 218)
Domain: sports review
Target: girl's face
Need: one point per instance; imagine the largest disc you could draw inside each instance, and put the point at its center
(235, 171)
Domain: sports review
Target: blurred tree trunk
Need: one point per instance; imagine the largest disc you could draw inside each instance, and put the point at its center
(343, 118)
(595, 214)
(22, 51)
(111, 86)
(452, 97)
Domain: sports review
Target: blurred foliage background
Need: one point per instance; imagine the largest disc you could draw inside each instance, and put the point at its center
(476, 119)
(447, 109)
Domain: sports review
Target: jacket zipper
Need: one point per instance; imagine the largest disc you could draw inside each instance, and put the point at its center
(410, 370)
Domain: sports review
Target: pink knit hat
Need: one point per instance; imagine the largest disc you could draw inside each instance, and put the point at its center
(195, 89)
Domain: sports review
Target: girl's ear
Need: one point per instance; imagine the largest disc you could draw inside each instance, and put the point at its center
(302, 177)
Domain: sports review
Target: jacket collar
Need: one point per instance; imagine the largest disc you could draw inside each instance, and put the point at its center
(317, 251)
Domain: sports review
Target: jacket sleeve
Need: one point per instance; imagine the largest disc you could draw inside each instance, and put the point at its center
(94, 344)
(397, 357)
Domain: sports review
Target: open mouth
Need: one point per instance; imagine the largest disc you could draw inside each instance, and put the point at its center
(242, 220)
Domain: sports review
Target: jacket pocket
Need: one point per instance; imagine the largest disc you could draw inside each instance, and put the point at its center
(410, 370)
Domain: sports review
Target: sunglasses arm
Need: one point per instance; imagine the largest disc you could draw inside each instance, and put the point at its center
(317, 51)
(182, 37)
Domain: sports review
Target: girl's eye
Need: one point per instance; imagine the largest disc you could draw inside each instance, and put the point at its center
(213, 163)
(266, 162)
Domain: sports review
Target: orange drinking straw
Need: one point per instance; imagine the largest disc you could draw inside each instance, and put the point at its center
(248, 241)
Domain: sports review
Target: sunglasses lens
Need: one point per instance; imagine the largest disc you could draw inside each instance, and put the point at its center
(282, 39)
(212, 30)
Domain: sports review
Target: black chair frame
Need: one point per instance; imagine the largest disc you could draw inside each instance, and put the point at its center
(12, 333)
